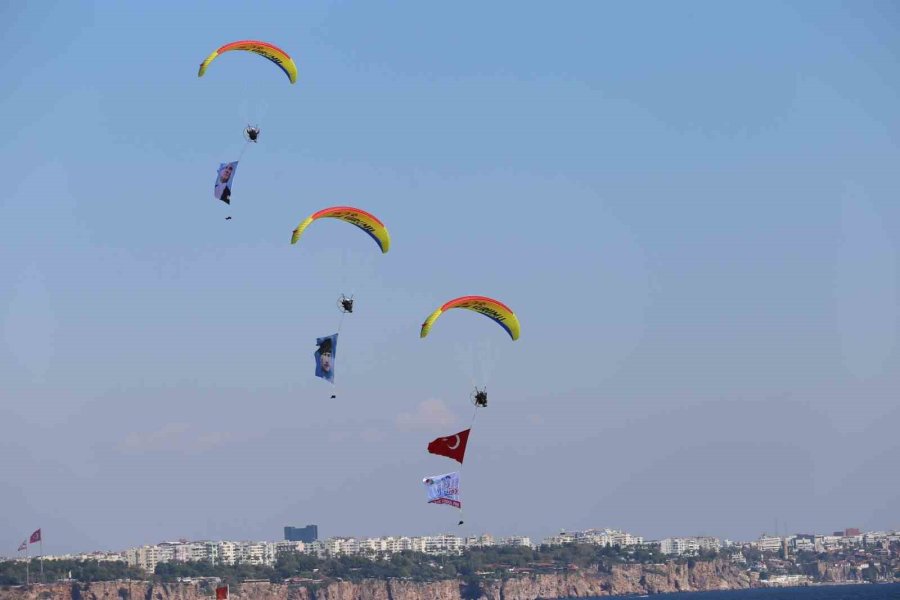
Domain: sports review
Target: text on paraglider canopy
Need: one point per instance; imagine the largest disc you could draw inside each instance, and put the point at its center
(262, 51)
(359, 223)
(488, 312)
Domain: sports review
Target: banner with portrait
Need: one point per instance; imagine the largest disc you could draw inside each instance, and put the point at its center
(325, 356)
(224, 177)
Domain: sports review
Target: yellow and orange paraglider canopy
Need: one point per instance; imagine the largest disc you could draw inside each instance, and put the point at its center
(264, 49)
(355, 216)
(492, 309)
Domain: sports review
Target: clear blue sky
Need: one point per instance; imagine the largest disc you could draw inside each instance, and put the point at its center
(692, 207)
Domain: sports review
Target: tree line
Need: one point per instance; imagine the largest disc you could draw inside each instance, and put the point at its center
(471, 566)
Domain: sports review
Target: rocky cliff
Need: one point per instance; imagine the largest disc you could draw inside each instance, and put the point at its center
(620, 579)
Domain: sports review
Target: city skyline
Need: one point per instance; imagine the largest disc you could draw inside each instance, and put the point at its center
(849, 556)
(594, 535)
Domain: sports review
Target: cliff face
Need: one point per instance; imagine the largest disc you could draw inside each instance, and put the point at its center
(142, 590)
(621, 579)
(393, 589)
(831, 572)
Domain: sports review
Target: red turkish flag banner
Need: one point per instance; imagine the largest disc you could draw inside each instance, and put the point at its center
(222, 592)
(452, 446)
(35, 537)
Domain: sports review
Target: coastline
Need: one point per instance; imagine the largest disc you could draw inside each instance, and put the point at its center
(619, 580)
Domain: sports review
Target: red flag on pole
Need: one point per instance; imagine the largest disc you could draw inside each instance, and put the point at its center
(222, 592)
(23, 545)
(452, 446)
(35, 537)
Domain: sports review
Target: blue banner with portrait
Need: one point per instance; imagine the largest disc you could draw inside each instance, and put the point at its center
(224, 177)
(325, 356)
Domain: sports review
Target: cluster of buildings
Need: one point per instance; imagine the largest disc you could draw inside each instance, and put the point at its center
(305, 540)
(266, 553)
(599, 537)
(848, 539)
(297, 539)
(692, 545)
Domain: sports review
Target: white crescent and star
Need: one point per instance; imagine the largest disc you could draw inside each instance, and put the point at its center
(457, 442)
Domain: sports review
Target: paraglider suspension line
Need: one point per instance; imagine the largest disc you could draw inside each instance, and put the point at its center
(340, 325)
(343, 314)
(471, 426)
(244, 149)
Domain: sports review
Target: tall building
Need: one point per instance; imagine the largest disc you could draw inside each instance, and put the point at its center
(307, 534)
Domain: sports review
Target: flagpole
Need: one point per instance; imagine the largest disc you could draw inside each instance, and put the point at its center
(42, 557)
(27, 560)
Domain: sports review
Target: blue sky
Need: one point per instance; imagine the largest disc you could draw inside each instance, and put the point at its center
(692, 208)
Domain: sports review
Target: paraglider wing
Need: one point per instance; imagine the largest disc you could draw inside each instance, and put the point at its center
(264, 49)
(365, 221)
(493, 309)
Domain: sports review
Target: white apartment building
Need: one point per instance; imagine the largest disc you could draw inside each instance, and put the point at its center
(145, 557)
(558, 540)
(286, 546)
(516, 540)
(399, 544)
(679, 546)
(177, 551)
(351, 546)
(228, 552)
(257, 553)
(621, 538)
(443, 544)
(97, 556)
(205, 551)
(827, 543)
(709, 543)
(373, 546)
(804, 544)
(768, 543)
(604, 537)
(342, 545)
(316, 547)
(166, 551)
(479, 541)
(593, 536)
